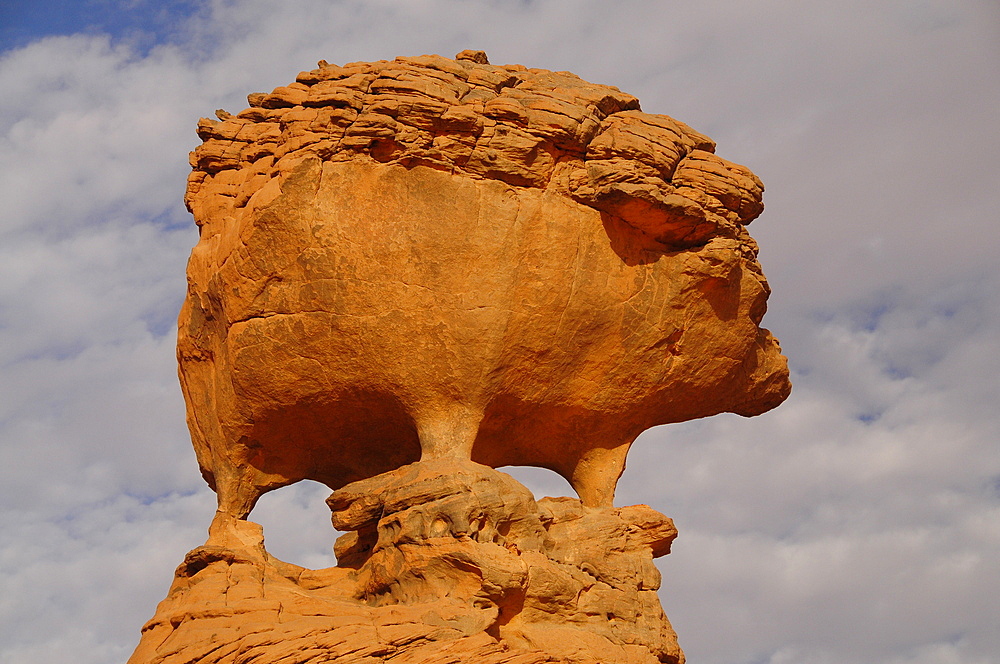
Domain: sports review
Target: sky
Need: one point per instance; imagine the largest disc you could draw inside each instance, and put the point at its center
(858, 523)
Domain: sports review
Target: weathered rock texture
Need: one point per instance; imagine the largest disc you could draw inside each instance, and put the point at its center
(446, 258)
(444, 561)
(410, 272)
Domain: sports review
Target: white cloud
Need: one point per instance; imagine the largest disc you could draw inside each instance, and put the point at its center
(76, 586)
(297, 524)
(856, 523)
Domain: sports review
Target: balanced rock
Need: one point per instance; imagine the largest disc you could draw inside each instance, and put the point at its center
(410, 273)
(444, 258)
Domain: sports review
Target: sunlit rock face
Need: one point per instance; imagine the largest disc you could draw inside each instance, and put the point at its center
(434, 257)
(411, 271)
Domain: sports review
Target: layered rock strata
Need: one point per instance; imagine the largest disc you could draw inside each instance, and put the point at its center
(443, 561)
(410, 273)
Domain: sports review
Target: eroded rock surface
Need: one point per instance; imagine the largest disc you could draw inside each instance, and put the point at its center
(411, 273)
(444, 561)
(432, 257)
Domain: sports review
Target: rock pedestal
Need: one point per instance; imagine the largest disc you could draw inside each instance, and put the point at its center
(443, 561)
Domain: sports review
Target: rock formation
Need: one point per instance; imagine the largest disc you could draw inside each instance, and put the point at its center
(410, 273)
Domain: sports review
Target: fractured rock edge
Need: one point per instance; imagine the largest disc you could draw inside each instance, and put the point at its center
(525, 127)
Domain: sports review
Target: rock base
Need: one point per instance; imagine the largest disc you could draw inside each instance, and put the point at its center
(443, 561)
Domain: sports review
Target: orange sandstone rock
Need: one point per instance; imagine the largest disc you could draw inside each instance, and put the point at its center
(410, 273)
(443, 258)
(444, 561)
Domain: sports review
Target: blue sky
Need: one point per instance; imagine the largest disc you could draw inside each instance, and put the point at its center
(858, 522)
(139, 22)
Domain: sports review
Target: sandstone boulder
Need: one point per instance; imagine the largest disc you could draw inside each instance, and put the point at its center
(428, 258)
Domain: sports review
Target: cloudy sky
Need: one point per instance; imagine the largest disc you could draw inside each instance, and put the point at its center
(858, 523)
